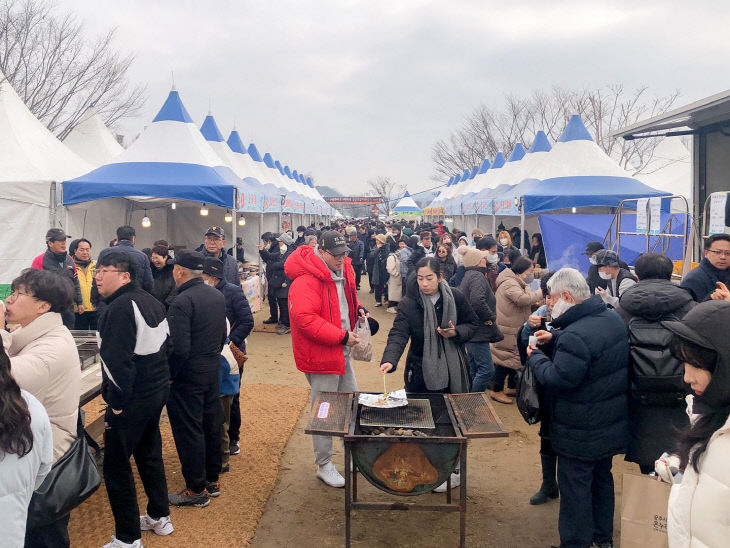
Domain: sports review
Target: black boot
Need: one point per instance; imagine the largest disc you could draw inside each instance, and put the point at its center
(549, 487)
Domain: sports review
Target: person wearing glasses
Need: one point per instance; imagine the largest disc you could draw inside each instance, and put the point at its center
(323, 309)
(133, 342)
(714, 268)
(214, 246)
(44, 361)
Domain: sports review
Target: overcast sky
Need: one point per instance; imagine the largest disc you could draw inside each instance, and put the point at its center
(348, 90)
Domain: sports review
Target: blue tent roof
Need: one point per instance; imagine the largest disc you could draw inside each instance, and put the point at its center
(155, 176)
(465, 175)
(518, 153)
(287, 171)
(485, 166)
(541, 143)
(575, 131)
(474, 171)
(173, 109)
(234, 141)
(269, 161)
(498, 160)
(254, 152)
(406, 194)
(210, 130)
(309, 182)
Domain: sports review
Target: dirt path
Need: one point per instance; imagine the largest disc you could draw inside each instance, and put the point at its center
(503, 474)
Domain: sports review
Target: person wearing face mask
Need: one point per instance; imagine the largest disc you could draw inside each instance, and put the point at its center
(58, 261)
(586, 383)
(514, 304)
(618, 279)
(279, 282)
(593, 279)
(300, 236)
(505, 242)
(698, 505)
(488, 244)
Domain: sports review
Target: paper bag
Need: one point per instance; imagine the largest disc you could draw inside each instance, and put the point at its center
(644, 503)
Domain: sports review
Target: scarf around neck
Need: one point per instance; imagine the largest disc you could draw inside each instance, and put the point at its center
(438, 375)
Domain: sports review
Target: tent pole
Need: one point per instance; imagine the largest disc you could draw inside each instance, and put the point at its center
(261, 231)
(476, 220)
(522, 226)
(494, 225)
(233, 227)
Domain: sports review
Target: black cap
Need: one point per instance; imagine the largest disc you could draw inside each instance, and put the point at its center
(189, 259)
(606, 257)
(212, 266)
(424, 233)
(592, 247)
(217, 231)
(56, 235)
(239, 240)
(333, 241)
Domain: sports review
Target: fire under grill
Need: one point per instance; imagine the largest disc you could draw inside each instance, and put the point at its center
(417, 414)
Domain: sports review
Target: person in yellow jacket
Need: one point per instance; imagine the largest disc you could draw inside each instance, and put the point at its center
(80, 250)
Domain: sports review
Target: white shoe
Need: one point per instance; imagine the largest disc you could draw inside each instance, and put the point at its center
(116, 543)
(162, 526)
(329, 474)
(455, 482)
(392, 309)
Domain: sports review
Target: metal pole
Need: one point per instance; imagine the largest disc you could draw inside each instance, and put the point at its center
(522, 226)
(494, 225)
(234, 220)
(261, 231)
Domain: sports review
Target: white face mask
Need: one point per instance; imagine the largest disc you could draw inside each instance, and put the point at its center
(592, 259)
(282, 248)
(208, 282)
(561, 307)
(504, 242)
(300, 234)
(604, 275)
(492, 258)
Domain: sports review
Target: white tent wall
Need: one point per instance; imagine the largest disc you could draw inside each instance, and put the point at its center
(96, 221)
(23, 227)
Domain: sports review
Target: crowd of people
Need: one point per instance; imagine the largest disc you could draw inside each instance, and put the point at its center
(619, 355)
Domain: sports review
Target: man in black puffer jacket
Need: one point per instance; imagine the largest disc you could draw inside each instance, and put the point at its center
(197, 319)
(657, 389)
(133, 344)
(586, 389)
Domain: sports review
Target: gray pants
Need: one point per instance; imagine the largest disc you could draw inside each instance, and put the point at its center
(329, 383)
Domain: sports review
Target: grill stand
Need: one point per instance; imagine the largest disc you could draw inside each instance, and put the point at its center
(351, 501)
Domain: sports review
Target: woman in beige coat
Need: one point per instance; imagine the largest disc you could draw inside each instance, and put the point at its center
(44, 361)
(395, 281)
(514, 305)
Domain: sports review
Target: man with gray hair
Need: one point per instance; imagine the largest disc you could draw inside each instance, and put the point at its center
(197, 319)
(586, 386)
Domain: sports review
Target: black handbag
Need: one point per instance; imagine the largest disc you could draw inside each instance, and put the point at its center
(72, 479)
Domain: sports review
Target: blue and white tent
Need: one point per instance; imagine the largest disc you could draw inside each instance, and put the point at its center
(407, 206)
(170, 160)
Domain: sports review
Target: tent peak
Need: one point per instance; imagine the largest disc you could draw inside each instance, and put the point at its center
(575, 130)
(499, 160)
(254, 152)
(540, 144)
(210, 130)
(485, 166)
(517, 153)
(173, 110)
(235, 143)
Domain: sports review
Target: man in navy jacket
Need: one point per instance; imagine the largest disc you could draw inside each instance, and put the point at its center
(715, 267)
(586, 385)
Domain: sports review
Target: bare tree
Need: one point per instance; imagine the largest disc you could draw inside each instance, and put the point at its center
(386, 189)
(58, 72)
(486, 131)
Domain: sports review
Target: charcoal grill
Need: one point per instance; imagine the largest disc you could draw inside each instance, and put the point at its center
(406, 465)
(86, 346)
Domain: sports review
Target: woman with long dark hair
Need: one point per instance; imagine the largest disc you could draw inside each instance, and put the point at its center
(537, 251)
(163, 286)
(698, 506)
(448, 264)
(26, 453)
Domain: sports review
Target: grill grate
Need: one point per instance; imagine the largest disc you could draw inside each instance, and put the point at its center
(476, 416)
(330, 413)
(417, 414)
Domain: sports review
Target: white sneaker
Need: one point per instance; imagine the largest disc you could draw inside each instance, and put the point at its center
(455, 482)
(116, 543)
(162, 526)
(329, 474)
(392, 309)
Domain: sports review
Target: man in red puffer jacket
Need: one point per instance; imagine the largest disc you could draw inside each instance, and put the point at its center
(323, 309)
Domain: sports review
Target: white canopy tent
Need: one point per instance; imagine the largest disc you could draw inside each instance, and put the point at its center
(92, 140)
(32, 159)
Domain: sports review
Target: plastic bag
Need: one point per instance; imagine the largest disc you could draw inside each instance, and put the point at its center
(528, 395)
(363, 350)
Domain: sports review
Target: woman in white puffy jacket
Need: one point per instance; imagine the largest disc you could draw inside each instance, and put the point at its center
(699, 506)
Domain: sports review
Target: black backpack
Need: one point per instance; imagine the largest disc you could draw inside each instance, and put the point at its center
(655, 376)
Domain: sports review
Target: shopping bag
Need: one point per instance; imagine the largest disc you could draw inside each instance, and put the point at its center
(363, 350)
(528, 395)
(644, 503)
